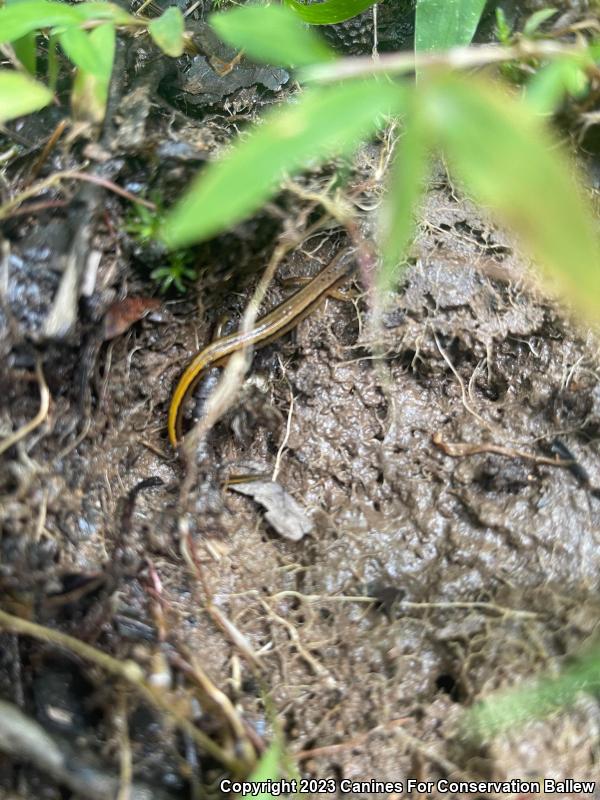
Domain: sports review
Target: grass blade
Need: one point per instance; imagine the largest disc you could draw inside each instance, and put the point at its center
(268, 768)
(405, 188)
(537, 19)
(440, 24)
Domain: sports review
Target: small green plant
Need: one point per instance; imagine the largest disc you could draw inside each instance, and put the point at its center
(267, 770)
(177, 273)
(144, 223)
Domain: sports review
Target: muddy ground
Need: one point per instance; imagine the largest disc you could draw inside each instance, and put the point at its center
(433, 574)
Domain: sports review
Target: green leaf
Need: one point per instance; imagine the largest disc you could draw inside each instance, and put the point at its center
(20, 95)
(405, 188)
(18, 19)
(440, 24)
(536, 19)
(79, 47)
(324, 121)
(498, 147)
(267, 769)
(25, 50)
(593, 49)
(548, 87)
(330, 11)
(100, 10)
(89, 94)
(103, 40)
(273, 34)
(509, 709)
(167, 31)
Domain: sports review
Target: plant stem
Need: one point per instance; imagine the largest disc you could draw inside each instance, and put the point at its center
(455, 58)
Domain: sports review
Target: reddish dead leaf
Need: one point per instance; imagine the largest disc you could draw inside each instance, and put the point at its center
(121, 315)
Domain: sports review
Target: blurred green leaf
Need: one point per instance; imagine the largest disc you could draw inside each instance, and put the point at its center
(18, 19)
(330, 11)
(25, 50)
(499, 149)
(440, 24)
(536, 19)
(594, 50)
(79, 47)
(323, 122)
(98, 10)
(406, 183)
(267, 769)
(167, 31)
(103, 40)
(89, 94)
(20, 95)
(548, 87)
(273, 34)
(508, 709)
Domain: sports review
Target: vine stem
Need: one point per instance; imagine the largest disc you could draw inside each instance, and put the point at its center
(454, 58)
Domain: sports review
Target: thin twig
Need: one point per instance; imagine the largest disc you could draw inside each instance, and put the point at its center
(126, 770)
(417, 746)
(233, 634)
(34, 208)
(462, 449)
(341, 598)
(25, 740)
(8, 208)
(286, 437)
(461, 383)
(15, 437)
(48, 147)
(315, 666)
(327, 750)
